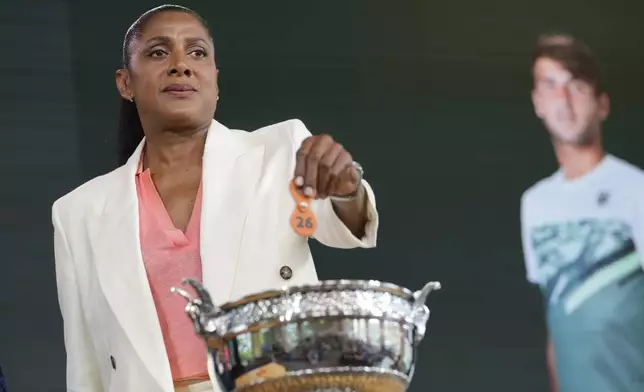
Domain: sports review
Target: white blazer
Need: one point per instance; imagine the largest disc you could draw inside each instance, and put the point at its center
(112, 334)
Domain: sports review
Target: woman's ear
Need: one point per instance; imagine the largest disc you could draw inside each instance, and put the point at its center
(123, 84)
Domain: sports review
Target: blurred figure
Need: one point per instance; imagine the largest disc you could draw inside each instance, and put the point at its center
(3, 386)
(583, 230)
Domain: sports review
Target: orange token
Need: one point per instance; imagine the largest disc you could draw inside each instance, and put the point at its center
(303, 219)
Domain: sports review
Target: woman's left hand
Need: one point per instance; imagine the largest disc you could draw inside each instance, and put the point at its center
(324, 168)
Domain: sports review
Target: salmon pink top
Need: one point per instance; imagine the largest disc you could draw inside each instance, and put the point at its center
(169, 256)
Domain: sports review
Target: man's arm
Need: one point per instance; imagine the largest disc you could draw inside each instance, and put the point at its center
(552, 372)
(532, 276)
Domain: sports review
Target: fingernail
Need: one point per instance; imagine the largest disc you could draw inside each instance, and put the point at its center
(299, 181)
(308, 191)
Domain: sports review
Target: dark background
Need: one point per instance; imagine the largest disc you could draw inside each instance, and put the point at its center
(431, 97)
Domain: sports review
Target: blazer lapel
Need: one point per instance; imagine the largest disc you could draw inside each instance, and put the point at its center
(122, 274)
(231, 169)
(232, 166)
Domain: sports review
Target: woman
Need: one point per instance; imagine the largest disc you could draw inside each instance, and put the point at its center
(194, 199)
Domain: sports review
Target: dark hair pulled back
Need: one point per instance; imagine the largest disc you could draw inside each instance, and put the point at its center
(130, 130)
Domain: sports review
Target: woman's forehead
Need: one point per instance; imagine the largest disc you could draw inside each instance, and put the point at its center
(174, 25)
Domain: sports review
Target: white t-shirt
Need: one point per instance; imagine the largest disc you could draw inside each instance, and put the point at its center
(582, 241)
(559, 217)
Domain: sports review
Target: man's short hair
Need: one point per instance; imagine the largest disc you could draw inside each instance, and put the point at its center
(574, 55)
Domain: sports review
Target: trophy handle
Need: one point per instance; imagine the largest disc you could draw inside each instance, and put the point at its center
(196, 306)
(420, 310)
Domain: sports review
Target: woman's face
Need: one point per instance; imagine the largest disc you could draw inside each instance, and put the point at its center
(172, 75)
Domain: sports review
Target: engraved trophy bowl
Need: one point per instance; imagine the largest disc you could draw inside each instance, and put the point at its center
(332, 336)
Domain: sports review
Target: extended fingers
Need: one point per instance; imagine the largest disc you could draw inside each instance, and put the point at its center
(314, 164)
(329, 169)
(300, 160)
(319, 150)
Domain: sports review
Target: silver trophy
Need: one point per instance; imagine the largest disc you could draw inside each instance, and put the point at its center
(333, 336)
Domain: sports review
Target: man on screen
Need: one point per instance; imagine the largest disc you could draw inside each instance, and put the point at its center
(583, 231)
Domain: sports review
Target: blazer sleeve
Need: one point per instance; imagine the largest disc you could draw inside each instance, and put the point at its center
(82, 367)
(331, 231)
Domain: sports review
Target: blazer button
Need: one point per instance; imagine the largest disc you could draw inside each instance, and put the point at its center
(286, 272)
(113, 361)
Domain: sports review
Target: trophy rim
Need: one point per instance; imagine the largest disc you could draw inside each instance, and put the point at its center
(322, 286)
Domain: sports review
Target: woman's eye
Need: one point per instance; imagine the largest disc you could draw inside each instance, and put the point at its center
(157, 53)
(199, 53)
